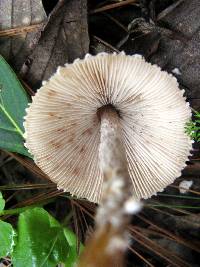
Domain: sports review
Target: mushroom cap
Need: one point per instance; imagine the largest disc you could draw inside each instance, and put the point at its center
(62, 129)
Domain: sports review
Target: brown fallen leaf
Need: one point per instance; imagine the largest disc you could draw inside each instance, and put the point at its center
(64, 39)
(178, 56)
(17, 14)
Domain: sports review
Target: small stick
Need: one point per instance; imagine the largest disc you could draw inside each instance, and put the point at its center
(107, 246)
(111, 6)
(112, 48)
(21, 30)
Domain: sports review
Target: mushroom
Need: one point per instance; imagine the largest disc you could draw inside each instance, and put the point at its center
(63, 124)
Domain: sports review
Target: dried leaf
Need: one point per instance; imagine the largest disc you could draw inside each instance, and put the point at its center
(14, 14)
(182, 54)
(64, 39)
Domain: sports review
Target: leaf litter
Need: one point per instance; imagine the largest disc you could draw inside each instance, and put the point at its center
(176, 49)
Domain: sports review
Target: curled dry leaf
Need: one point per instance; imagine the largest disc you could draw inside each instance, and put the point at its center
(64, 39)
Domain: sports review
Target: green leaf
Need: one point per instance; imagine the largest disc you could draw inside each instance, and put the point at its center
(197, 114)
(73, 253)
(13, 102)
(2, 202)
(7, 239)
(41, 241)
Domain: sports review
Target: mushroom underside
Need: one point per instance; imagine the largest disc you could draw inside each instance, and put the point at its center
(62, 125)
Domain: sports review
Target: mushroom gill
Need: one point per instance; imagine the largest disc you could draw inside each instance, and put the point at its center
(62, 127)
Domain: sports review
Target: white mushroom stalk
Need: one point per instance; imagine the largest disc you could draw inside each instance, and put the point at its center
(110, 240)
(62, 127)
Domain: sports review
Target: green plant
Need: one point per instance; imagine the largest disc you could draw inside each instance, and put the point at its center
(13, 102)
(38, 235)
(193, 127)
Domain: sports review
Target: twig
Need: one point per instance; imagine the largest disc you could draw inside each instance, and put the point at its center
(21, 30)
(29, 165)
(188, 190)
(172, 258)
(106, 44)
(111, 6)
(168, 233)
(116, 22)
(27, 87)
(140, 256)
(168, 10)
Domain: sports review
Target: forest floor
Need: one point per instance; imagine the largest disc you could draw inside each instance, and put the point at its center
(165, 32)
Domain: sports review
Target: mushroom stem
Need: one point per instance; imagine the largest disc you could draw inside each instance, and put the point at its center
(107, 246)
(113, 164)
(112, 155)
